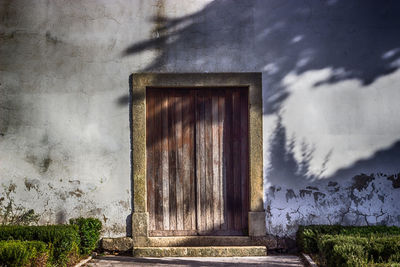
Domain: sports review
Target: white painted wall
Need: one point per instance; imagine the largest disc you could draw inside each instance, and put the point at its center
(330, 93)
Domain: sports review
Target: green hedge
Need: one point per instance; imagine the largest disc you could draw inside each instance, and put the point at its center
(307, 236)
(341, 250)
(63, 240)
(64, 243)
(23, 253)
(89, 231)
(351, 245)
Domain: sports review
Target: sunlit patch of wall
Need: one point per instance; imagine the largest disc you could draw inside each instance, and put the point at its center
(346, 121)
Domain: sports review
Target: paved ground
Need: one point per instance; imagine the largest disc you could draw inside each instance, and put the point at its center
(269, 261)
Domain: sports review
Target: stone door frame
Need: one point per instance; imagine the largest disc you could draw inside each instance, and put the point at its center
(139, 82)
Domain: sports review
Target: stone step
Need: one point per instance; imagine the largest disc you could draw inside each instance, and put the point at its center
(209, 251)
(204, 241)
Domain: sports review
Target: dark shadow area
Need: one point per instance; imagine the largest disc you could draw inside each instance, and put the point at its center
(128, 222)
(285, 168)
(355, 39)
(129, 101)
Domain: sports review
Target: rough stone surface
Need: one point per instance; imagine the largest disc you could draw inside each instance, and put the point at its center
(268, 261)
(117, 244)
(120, 244)
(209, 251)
(140, 222)
(193, 241)
(139, 143)
(257, 223)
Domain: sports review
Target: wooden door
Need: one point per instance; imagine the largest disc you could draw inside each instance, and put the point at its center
(171, 194)
(197, 161)
(222, 161)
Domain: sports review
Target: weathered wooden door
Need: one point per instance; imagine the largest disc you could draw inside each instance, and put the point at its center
(197, 161)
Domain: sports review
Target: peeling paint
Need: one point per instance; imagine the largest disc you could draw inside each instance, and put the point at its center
(312, 188)
(318, 195)
(362, 181)
(290, 194)
(77, 193)
(361, 200)
(395, 180)
(74, 182)
(31, 184)
(304, 192)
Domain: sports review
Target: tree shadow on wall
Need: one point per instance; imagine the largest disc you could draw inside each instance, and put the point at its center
(355, 39)
(284, 167)
(286, 170)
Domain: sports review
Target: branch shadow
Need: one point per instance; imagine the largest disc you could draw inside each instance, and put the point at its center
(287, 170)
(353, 39)
(356, 40)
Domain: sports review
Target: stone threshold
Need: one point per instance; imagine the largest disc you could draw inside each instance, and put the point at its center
(124, 244)
(209, 251)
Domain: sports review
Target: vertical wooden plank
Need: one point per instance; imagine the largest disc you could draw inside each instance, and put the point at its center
(172, 160)
(200, 157)
(209, 166)
(179, 172)
(215, 163)
(150, 157)
(228, 161)
(192, 161)
(197, 158)
(236, 160)
(157, 159)
(222, 169)
(186, 160)
(244, 140)
(164, 161)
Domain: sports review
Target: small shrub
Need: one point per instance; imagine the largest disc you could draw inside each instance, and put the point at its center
(63, 240)
(89, 231)
(23, 253)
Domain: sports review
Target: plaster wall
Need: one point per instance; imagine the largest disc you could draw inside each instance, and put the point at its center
(330, 92)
